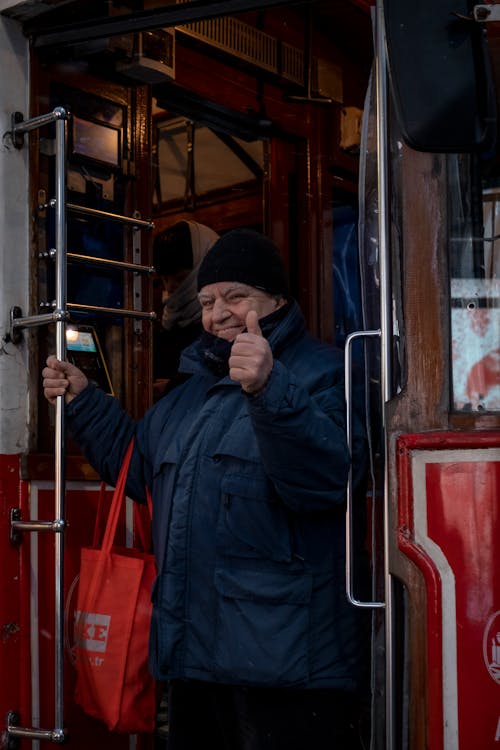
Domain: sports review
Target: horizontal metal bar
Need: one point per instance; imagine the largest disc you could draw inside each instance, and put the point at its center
(118, 311)
(56, 526)
(59, 113)
(31, 321)
(105, 262)
(172, 15)
(91, 260)
(74, 208)
(55, 735)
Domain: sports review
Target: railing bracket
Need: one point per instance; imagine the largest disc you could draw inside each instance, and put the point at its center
(16, 536)
(8, 741)
(16, 135)
(15, 334)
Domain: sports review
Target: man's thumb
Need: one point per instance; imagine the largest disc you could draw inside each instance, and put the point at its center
(252, 323)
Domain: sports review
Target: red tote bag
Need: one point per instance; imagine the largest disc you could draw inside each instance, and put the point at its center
(112, 620)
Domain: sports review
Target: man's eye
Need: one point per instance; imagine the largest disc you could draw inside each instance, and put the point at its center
(206, 303)
(235, 296)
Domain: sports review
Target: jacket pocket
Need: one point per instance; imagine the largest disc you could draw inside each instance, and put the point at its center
(164, 475)
(252, 522)
(238, 442)
(262, 628)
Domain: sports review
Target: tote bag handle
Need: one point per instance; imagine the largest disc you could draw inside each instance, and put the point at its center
(120, 491)
(116, 503)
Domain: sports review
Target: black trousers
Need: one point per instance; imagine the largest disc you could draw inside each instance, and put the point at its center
(227, 717)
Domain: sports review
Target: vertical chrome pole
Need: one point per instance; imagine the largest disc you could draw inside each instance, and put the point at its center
(60, 221)
(383, 214)
(386, 339)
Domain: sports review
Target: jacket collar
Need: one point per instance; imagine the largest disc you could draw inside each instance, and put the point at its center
(286, 330)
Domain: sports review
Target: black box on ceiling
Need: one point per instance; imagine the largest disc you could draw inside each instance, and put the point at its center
(152, 57)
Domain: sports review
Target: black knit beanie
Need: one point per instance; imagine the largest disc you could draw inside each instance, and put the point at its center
(245, 256)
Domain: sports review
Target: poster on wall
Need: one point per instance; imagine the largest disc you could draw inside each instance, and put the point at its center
(475, 329)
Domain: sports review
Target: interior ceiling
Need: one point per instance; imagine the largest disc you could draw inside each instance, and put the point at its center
(56, 23)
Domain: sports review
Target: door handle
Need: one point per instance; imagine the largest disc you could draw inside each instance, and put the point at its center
(349, 567)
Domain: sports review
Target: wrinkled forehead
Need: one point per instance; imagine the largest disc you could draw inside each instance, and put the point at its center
(223, 288)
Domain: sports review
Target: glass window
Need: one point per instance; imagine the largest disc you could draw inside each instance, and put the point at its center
(475, 287)
(193, 159)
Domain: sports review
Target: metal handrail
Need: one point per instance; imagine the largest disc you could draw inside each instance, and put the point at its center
(108, 263)
(97, 213)
(20, 126)
(119, 311)
(59, 438)
(59, 116)
(349, 566)
(59, 315)
(92, 260)
(25, 126)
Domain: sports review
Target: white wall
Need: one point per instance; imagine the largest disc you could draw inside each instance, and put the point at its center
(14, 238)
(10, 4)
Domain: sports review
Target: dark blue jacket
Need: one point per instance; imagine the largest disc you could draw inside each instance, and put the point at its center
(248, 520)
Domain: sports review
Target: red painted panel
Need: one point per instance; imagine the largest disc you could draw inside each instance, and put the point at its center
(433, 591)
(464, 520)
(12, 635)
(453, 526)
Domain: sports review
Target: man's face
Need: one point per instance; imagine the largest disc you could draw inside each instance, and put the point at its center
(225, 305)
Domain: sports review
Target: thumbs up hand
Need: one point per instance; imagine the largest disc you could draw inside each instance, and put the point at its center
(251, 359)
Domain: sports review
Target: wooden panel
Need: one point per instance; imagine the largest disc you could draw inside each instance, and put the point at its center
(138, 335)
(423, 402)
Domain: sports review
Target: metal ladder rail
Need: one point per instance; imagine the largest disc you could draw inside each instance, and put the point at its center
(59, 316)
(136, 268)
(59, 116)
(98, 213)
(87, 260)
(105, 262)
(18, 321)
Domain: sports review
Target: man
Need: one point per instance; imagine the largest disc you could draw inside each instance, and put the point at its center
(247, 463)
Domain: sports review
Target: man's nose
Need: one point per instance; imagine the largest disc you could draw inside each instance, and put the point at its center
(220, 310)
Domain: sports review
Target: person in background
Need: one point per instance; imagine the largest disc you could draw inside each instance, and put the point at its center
(247, 463)
(177, 254)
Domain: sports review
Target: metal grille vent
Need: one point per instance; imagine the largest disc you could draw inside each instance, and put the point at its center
(247, 43)
(292, 63)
